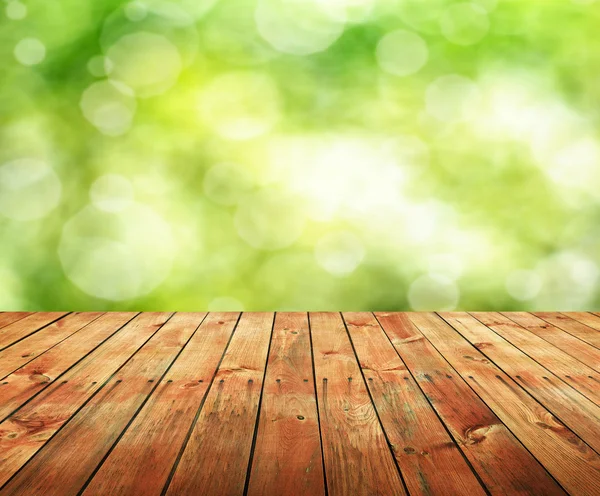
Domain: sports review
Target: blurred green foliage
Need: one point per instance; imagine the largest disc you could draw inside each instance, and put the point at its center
(287, 154)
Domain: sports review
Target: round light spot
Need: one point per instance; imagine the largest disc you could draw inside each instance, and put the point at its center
(225, 304)
(339, 253)
(196, 8)
(433, 292)
(226, 184)
(99, 66)
(136, 11)
(146, 62)
(452, 98)
(401, 53)
(109, 107)
(29, 189)
(117, 256)
(464, 23)
(298, 27)
(240, 105)
(422, 16)
(30, 51)
(111, 193)
(523, 285)
(16, 10)
(269, 219)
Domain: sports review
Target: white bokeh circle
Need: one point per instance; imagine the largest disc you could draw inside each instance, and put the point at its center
(29, 189)
(30, 51)
(464, 23)
(297, 27)
(109, 107)
(401, 53)
(452, 98)
(523, 285)
(117, 256)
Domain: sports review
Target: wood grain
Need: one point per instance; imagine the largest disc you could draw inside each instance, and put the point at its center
(549, 390)
(502, 462)
(36, 375)
(27, 430)
(287, 457)
(589, 319)
(431, 462)
(26, 326)
(216, 457)
(26, 350)
(358, 459)
(142, 460)
(573, 372)
(571, 461)
(7, 318)
(576, 329)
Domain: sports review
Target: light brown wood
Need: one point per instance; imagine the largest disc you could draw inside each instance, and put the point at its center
(118, 400)
(589, 319)
(141, 462)
(573, 328)
(549, 390)
(36, 375)
(216, 457)
(571, 461)
(573, 372)
(26, 326)
(26, 431)
(26, 350)
(358, 460)
(287, 456)
(430, 461)
(483, 438)
(7, 318)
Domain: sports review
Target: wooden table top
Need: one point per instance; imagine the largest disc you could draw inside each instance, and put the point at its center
(299, 404)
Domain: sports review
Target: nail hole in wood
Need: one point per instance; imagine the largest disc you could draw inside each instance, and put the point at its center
(300, 417)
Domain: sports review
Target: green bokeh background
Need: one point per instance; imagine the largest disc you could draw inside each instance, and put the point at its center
(470, 182)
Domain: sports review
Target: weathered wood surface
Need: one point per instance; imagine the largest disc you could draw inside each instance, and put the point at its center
(299, 404)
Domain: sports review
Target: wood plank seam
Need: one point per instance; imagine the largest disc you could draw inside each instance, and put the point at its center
(457, 444)
(52, 346)
(362, 374)
(491, 409)
(262, 389)
(554, 373)
(570, 333)
(83, 404)
(195, 420)
(139, 409)
(539, 401)
(20, 317)
(66, 371)
(312, 356)
(32, 332)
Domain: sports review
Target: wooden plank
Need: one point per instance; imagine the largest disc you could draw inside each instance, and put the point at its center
(589, 319)
(36, 375)
(431, 462)
(358, 459)
(141, 461)
(28, 429)
(574, 328)
(562, 365)
(571, 461)
(571, 407)
(67, 461)
(26, 350)
(7, 318)
(483, 438)
(22, 328)
(287, 456)
(216, 457)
